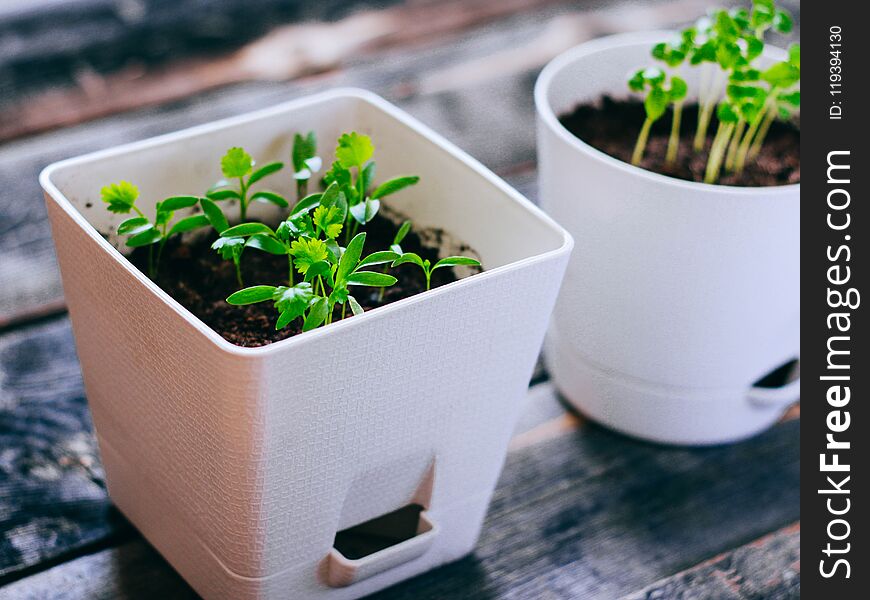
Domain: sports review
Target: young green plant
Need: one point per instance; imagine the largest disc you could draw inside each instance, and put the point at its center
(140, 230)
(428, 268)
(240, 175)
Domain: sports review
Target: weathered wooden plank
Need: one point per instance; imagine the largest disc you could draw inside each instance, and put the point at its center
(488, 113)
(286, 52)
(767, 568)
(52, 493)
(588, 514)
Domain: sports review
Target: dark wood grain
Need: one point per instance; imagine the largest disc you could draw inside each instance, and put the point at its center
(477, 94)
(585, 514)
(52, 494)
(768, 568)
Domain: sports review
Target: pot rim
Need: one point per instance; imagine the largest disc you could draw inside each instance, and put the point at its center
(381, 312)
(550, 119)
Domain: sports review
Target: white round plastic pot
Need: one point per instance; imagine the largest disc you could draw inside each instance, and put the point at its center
(240, 464)
(679, 295)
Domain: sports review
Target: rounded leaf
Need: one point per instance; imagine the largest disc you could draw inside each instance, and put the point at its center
(236, 163)
(145, 238)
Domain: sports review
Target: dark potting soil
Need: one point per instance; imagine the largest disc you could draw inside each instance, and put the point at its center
(612, 127)
(200, 280)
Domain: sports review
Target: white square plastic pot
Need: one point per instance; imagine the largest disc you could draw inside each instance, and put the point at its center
(240, 464)
(679, 295)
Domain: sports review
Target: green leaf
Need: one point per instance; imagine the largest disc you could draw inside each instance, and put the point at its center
(365, 211)
(223, 195)
(294, 300)
(266, 243)
(371, 279)
(246, 229)
(409, 257)
(304, 148)
(354, 150)
(455, 261)
(782, 21)
(782, 75)
(754, 47)
(174, 203)
(351, 256)
(794, 55)
(334, 197)
(329, 220)
(367, 176)
(308, 251)
(214, 215)
(120, 196)
(251, 295)
(334, 251)
(653, 76)
(189, 224)
(679, 89)
(727, 55)
(636, 81)
(236, 163)
(378, 258)
(656, 103)
(267, 196)
(317, 314)
(146, 238)
(134, 225)
(230, 248)
(726, 113)
(265, 171)
(792, 98)
(355, 307)
(394, 185)
(284, 319)
(659, 51)
(321, 268)
(306, 204)
(404, 228)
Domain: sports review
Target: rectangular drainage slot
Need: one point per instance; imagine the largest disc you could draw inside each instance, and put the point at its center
(379, 533)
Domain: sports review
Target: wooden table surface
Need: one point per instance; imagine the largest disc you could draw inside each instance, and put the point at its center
(579, 512)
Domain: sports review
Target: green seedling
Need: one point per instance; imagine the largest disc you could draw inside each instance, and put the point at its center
(327, 283)
(746, 99)
(140, 230)
(305, 162)
(238, 169)
(429, 268)
(354, 171)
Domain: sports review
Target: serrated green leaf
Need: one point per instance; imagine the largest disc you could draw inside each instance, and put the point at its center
(230, 248)
(371, 279)
(294, 300)
(189, 224)
(236, 163)
(120, 196)
(265, 171)
(308, 251)
(145, 238)
(392, 186)
(251, 295)
(246, 229)
(354, 150)
(329, 220)
(214, 215)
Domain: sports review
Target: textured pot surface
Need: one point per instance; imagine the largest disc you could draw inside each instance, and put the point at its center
(679, 295)
(241, 464)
